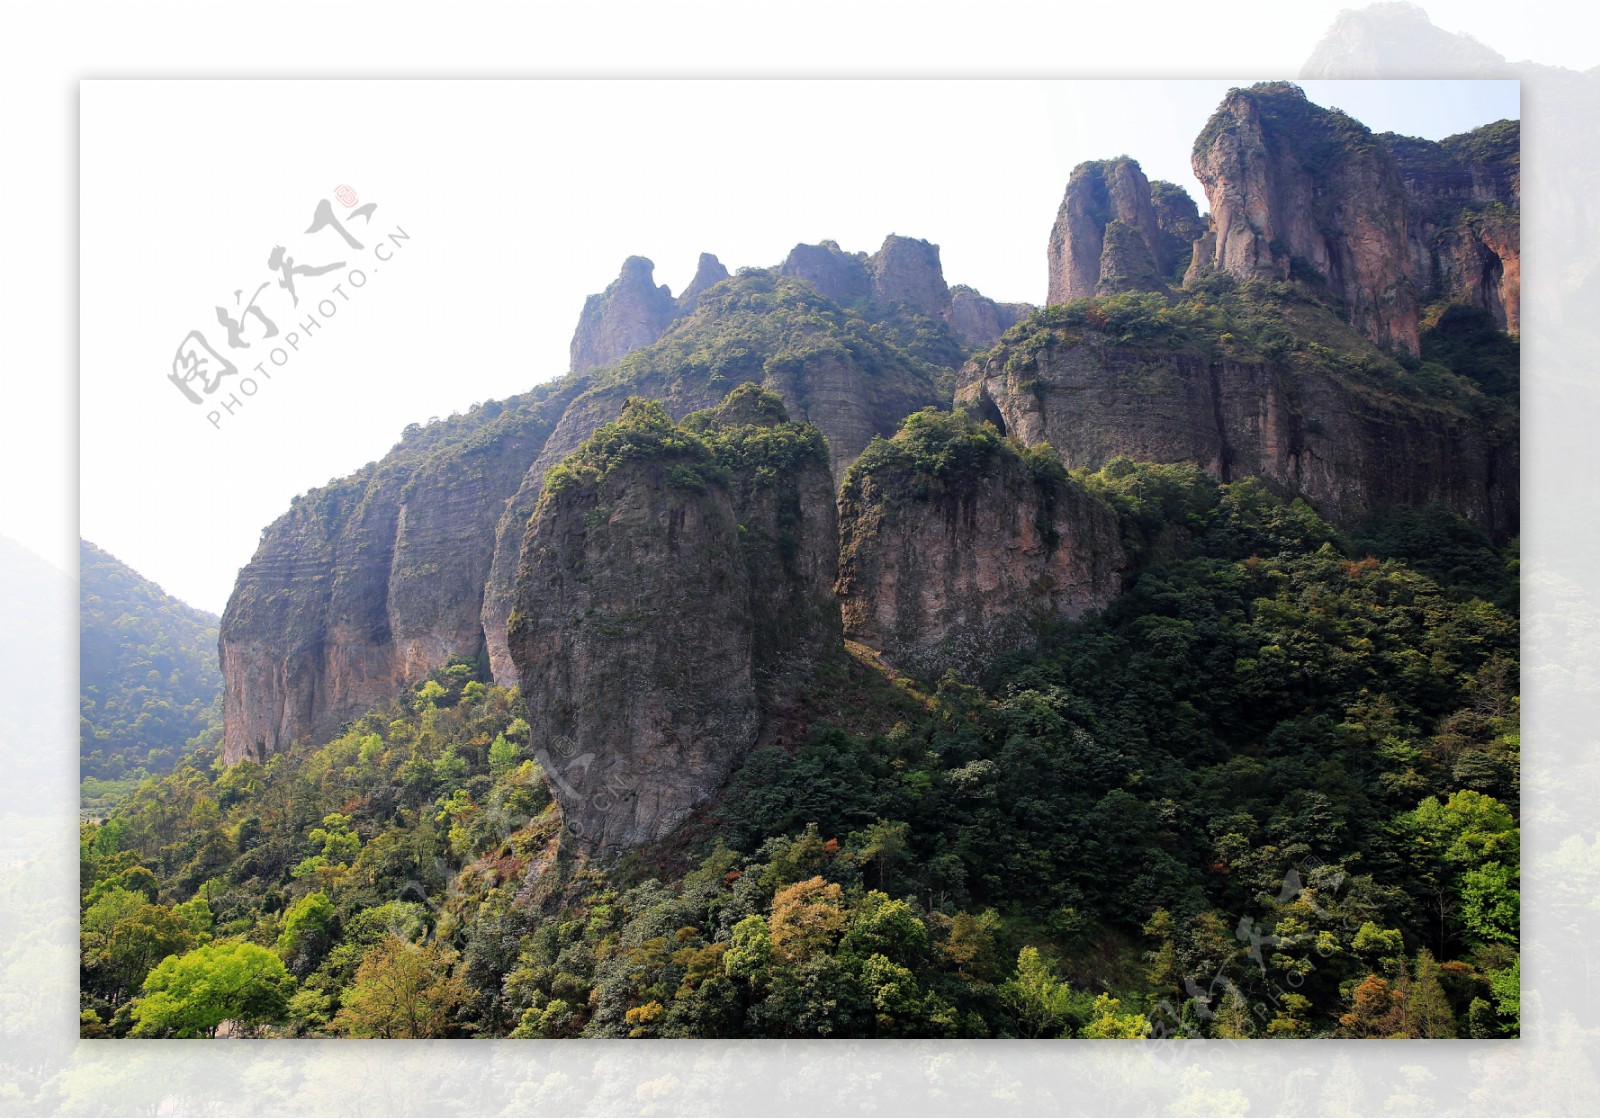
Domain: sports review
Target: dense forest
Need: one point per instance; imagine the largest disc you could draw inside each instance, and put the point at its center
(1272, 791)
(149, 679)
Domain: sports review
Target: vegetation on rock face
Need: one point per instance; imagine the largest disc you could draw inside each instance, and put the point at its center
(945, 453)
(1466, 364)
(149, 680)
(759, 325)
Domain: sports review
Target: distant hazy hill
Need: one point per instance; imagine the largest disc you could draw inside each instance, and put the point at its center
(149, 680)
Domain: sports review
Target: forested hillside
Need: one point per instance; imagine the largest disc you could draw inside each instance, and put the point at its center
(149, 678)
(1272, 791)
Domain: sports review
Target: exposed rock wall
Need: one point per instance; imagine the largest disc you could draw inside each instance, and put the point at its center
(978, 320)
(653, 626)
(632, 312)
(837, 378)
(368, 583)
(1465, 199)
(948, 571)
(1298, 191)
(1105, 237)
(1348, 448)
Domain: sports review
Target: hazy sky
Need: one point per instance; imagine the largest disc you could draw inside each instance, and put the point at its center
(518, 200)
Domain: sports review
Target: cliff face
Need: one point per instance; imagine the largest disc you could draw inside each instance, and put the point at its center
(1105, 238)
(979, 320)
(366, 584)
(955, 548)
(1465, 199)
(1298, 191)
(778, 476)
(1348, 443)
(631, 313)
(653, 626)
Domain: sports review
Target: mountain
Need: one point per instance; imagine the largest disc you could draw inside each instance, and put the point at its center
(835, 652)
(149, 677)
(1340, 325)
(1340, 329)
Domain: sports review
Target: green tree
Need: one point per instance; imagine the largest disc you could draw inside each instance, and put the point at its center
(1447, 840)
(307, 933)
(750, 949)
(1427, 1007)
(1108, 1021)
(886, 926)
(402, 990)
(191, 995)
(123, 936)
(1506, 986)
(1490, 904)
(1292, 1018)
(1038, 1002)
(883, 844)
(504, 756)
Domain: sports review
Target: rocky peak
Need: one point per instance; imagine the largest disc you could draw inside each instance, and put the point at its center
(674, 590)
(1302, 192)
(842, 277)
(632, 312)
(708, 273)
(1180, 224)
(1083, 253)
(978, 321)
(1464, 197)
(906, 270)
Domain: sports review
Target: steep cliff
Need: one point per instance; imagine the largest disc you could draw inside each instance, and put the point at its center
(632, 312)
(367, 583)
(782, 488)
(1335, 333)
(1464, 194)
(674, 584)
(1105, 238)
(1302, 192)
(1178, 226)
(1263, 383)
(957, 546)
(370, 581)
(978, 320)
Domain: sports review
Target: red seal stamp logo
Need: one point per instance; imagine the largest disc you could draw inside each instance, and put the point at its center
(346, 195)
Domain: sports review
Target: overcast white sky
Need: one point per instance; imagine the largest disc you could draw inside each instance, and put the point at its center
(520, 199)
